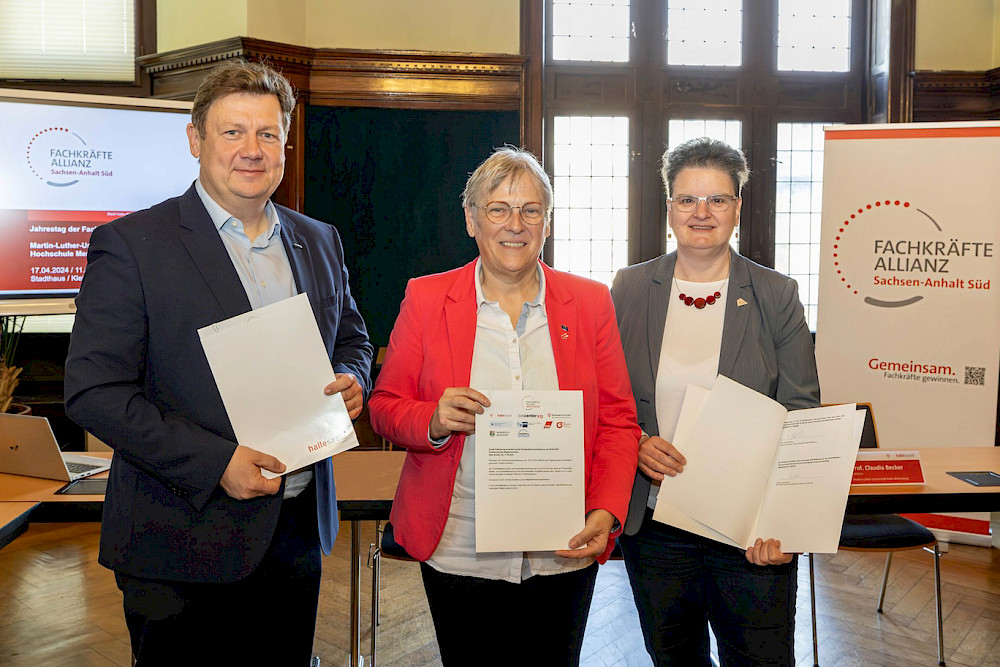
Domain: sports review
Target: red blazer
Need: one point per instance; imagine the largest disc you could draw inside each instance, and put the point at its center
(430, 349)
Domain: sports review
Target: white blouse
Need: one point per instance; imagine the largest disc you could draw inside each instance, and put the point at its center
(504, 357)
(689, 354)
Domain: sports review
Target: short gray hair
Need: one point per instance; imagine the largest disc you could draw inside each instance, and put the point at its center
(239, 76)
(506, 162)
(705, 152)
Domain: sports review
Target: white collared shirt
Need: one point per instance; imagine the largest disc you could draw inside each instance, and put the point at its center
(504, 357)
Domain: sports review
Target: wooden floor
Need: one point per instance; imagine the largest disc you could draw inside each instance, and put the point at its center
(59, 607)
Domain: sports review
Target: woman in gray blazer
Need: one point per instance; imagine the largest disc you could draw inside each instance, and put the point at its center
(684, 318)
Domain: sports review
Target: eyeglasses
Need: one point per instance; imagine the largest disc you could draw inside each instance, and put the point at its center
(716, 203)
(499, 212)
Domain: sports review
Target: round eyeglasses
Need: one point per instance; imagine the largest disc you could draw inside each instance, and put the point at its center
(499, 212)
(716, 203)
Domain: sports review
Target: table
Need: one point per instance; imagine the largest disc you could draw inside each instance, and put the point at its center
(17, 488)
(48, 505)
(366, 482)
(941, 492)
(14, 520)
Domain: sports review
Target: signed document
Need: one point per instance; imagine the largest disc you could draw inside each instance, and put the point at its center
(271, 366)
(755, 469)
(529, 470)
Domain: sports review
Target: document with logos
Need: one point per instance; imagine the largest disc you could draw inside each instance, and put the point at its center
(529, 470)
(271, 366)
(755, 469)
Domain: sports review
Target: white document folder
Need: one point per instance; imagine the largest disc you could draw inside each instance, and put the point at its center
(755, 469)
(271, 367)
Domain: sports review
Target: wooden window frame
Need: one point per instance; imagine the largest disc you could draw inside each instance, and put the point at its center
(145, 44)
(649, 91)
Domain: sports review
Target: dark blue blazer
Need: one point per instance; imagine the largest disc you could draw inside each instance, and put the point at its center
(137, 378)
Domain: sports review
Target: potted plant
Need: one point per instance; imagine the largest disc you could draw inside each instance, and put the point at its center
(10, 332)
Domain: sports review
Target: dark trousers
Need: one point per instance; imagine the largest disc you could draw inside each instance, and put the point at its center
(539, 621)
(267, 618)
(682, 582)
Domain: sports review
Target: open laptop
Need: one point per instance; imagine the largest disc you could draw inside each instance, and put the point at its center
(28, 447)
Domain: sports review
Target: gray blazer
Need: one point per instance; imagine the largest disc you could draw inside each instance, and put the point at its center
(766, 344)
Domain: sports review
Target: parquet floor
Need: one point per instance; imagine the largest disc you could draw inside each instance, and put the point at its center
(59, 607)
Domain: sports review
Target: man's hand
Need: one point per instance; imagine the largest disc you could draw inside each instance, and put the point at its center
(347, 385)
(767, 553)
(593, 538)
(242, 479)
(659, 458)
(456, 411)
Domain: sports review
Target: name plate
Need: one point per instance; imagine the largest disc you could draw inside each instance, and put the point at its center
(888, 467)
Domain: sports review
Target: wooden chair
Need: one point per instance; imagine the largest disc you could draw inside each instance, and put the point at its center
(882, 533)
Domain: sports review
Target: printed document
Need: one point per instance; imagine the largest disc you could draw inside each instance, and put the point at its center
(271, 366)
(755, 469)
(529, 470)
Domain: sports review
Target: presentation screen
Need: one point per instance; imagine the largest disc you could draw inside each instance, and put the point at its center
(71, 163)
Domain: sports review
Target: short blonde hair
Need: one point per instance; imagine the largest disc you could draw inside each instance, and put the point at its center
(508, 162)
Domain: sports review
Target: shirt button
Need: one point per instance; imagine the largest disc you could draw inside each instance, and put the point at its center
(517, 377)
(263, 283)
(513, 340)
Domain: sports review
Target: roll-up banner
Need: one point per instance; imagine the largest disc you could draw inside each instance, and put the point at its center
(909, 287)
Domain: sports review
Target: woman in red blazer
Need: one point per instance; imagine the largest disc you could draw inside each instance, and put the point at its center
(503, 321)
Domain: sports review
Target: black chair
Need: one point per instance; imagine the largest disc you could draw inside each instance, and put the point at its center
(882, 533)
(386, 547)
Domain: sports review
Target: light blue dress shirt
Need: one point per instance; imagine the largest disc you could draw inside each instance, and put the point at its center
(265, 273)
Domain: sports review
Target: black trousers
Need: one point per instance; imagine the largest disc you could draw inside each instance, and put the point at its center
(267, 618)
(539, 621)
(683, 582)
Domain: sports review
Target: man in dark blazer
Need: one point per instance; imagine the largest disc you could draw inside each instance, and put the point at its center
(216, 563)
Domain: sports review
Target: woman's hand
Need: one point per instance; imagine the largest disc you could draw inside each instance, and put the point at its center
(593, 538)
(768, 553)
(658, 458)
(456, 412)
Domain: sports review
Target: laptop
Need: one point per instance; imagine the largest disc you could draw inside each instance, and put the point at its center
(28, 447)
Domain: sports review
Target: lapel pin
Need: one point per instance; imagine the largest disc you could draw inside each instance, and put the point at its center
(740, 302)
(297, 245)
(565, 332)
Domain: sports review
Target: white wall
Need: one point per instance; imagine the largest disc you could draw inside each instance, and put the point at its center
(475, 26)
(957, 35)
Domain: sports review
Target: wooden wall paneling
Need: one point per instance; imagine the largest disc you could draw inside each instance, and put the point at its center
(177, 74)
(951, 95)
(425, 118)
(416, 80)
(532, 99)
(354, 77)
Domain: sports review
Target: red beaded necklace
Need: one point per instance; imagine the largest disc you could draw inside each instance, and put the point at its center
(701, 301)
